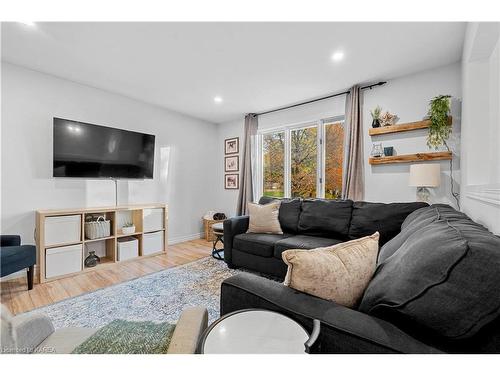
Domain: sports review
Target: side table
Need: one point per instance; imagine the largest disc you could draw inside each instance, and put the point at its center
(218, 231)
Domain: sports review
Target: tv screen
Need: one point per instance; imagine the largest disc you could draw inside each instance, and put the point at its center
(94, 151)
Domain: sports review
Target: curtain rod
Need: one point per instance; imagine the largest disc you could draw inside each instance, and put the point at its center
(318, 99)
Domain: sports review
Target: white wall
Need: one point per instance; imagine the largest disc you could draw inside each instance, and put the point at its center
(480, 194)
(226, 199)
(409, 97)
(406, 96)
(184, 160)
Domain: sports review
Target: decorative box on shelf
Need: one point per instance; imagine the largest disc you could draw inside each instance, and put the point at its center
(207, 224)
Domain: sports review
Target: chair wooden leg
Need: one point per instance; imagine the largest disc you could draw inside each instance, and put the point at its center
(31, 273)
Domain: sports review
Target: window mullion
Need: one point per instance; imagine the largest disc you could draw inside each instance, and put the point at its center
(288, 157)
(320, 169)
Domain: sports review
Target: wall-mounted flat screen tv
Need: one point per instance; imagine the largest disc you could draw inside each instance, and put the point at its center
(93, 151)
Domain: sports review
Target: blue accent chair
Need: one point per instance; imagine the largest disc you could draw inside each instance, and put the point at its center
(15, 257)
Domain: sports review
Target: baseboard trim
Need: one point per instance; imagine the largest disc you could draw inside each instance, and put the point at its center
(189, 237)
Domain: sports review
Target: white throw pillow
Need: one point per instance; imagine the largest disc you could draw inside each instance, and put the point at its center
(264, 218)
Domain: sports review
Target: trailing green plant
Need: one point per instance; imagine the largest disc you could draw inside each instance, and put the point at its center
(439, 129)
(376, 112)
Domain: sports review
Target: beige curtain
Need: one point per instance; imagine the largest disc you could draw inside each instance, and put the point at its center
(353, 184)
(246, 186)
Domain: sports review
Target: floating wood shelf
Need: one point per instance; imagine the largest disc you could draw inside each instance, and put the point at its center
(403, 127)
(410, 158)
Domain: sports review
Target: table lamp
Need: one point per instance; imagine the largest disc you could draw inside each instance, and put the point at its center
(424, 176)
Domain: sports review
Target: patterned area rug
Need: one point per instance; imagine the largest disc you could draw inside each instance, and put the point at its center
(158, 297)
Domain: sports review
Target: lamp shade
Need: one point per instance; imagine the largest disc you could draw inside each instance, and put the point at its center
(425, 175)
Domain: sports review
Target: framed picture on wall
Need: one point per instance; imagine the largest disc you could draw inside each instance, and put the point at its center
(232, 146)
(232, 163)
(232, 181)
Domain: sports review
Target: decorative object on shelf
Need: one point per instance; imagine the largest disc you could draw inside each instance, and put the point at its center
(92, 260)
(423, 177)
(219, 216)
(376, 116)
(377, 150)
(232, 163)
(388, 151)
(388, 119)
(439, 129)
(232, 146)
(128, 228)
(232, 181)
(97, 228)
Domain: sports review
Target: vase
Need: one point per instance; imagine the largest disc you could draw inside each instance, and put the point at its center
(377, 150)
(92, 260)
(376, 123)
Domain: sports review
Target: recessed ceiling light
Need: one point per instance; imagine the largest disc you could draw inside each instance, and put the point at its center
(28, 23)
(337, 56)
(218, 99)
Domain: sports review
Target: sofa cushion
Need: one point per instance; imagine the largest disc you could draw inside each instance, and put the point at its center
(257, 243)
(16, 258)
(325, 218)
(302, 242)
(386, 218)
(289, 212)
(338, 273)
(442, 281)
(416, 220)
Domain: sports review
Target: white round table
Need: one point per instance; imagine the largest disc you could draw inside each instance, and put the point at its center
(254, 332)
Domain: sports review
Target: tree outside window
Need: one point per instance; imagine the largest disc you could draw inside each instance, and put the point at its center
(302, 159)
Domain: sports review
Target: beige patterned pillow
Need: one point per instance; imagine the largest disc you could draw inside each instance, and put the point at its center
(337, 273)
(264, 218)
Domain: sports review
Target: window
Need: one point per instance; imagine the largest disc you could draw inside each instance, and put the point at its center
(334, 157)
(302, 161)
(273, 157)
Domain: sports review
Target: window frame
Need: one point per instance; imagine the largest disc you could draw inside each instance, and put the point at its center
(321, 154)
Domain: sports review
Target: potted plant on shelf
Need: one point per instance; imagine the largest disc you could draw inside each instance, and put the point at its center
(128, 228)
(376, 116)
(439, 129)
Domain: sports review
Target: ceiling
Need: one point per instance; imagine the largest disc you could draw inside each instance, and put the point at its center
(251, 66)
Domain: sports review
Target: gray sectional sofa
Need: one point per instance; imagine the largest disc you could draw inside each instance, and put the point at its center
(435, 289)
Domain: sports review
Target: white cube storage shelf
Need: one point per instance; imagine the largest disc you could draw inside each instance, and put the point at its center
(152, 219)
(152, 242)
(63, 260)
(63, 229)
(61, 241)
(128, 248)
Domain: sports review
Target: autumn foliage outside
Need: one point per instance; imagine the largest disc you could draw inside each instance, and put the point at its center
(303, 162)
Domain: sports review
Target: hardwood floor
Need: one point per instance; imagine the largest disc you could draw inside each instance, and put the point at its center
(15, 294)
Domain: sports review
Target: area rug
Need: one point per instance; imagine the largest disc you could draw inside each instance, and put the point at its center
(157, 297)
